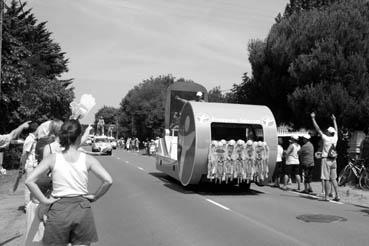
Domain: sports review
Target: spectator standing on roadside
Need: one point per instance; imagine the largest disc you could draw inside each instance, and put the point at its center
(329, 165)
(364, 147)
(279, 165)
(292, 162)
(28, 160)
(69, 217)
(306, 155)
(6, 139)
(46, 133)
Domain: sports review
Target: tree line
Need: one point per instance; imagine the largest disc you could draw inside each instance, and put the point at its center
(32, 63)
(314, 58)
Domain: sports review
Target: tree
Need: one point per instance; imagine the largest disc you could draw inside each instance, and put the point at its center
(109, 114)
(31, 60)
(315, 58)
(141, 112)
(216, 95)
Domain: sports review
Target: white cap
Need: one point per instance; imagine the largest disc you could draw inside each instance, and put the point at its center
(331, 130)
(199, 94)
(307, 136)
(295, 137)
(232, 142)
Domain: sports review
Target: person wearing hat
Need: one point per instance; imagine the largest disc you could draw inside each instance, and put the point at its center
(199, 95)
(292, 162)
(199, 98)
(329, 165)
(306, 156)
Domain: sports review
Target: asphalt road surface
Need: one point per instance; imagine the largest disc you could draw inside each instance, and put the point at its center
(147, 207)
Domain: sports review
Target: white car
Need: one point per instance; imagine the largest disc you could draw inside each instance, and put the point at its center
(102, 144)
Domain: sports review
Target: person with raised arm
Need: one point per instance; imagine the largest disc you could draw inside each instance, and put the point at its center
(329, 163)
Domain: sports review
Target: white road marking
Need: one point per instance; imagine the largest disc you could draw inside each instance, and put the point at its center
(316, 197)
(141, 168)
(118, 158)
(126, 161)
(217, 204)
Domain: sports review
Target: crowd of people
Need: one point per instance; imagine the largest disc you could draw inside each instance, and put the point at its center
(134, 144)
(56, 197)
(238, 161)
(298, 159)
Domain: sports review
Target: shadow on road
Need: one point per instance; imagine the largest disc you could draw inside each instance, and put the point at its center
(208, 189)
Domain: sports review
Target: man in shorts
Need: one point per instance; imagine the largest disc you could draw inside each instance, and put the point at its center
(306, 156)
(329, 165)
(292, 162)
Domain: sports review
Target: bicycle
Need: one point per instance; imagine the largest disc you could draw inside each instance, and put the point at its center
(358, 169)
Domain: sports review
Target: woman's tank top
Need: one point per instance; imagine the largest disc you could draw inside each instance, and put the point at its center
(69, 178)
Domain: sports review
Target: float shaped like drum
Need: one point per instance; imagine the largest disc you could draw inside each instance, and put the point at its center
(200, 123)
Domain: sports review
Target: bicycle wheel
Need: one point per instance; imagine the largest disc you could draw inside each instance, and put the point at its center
(364, 180)
(344, 175)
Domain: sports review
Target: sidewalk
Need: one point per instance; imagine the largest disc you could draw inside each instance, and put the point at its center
(348, 194)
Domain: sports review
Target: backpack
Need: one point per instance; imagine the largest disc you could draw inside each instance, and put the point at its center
(332, 152)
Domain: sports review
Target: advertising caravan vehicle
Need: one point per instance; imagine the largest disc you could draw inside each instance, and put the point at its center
(215, 142)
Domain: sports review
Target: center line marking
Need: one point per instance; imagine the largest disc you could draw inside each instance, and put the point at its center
(141, 168)
(217, 204)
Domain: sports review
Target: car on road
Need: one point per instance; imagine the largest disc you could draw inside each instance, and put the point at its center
(102, 144)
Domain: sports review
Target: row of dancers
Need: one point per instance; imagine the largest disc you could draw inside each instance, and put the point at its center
(239, 161)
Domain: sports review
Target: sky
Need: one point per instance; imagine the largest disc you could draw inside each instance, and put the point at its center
(113, 45)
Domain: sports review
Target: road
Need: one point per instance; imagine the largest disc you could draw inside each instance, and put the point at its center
(147, 207)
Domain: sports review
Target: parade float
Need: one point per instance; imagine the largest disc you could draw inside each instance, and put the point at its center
(215, 142)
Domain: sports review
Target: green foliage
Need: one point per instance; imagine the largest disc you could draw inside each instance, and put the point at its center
(141, 112)
(216, 95)
(109, 114)
(315, 58)
(31, 65)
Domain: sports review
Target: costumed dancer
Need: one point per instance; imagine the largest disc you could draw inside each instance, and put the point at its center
(230, 160)
(212, 160)
(265, 160)
(220, 159)
(248, 164)
(240, 156)
(259, 153)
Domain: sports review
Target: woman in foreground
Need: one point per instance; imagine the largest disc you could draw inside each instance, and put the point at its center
(69, 217)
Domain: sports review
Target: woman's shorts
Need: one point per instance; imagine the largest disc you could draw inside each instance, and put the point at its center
(278, 170)
(70, 220)
(328, 169)
(292, 170)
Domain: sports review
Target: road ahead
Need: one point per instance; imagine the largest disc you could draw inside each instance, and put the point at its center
(147, 207)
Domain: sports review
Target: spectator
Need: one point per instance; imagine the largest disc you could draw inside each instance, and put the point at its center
(28, 160)
(6, 139)
(279, 164)
(199, 98)
(329, 165)
(306, 156)
(364, 147)
(46, 132)
(292, 162)
(70, 195)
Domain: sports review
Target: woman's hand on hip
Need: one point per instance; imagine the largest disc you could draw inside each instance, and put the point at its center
(90, 197)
